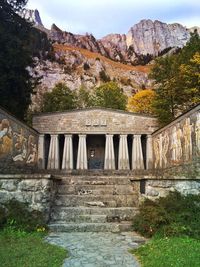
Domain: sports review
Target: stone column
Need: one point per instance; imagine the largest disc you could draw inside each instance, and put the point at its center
(123, 158)
(109, 161)
(149, 152)
(82, 153)
(67, 162)
(53, 159)
(137, 156)
(41, 152)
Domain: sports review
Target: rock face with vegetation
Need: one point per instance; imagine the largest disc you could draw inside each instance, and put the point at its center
(83, 61)
(79, 67)
(144, 38)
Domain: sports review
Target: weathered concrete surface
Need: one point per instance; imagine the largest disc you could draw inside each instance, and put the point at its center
(94, 120)
(98, 249)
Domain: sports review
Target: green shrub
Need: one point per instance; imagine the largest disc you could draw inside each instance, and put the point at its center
(19, 217)
(68, 70)
(174, 215)
(86, 66)
(2, 216)
(103, 76)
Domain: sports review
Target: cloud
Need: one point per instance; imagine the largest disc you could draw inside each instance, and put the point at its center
(113, 16)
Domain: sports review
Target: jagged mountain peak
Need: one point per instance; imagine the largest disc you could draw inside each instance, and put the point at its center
(147, 37)
(32, 16)
(152, 37)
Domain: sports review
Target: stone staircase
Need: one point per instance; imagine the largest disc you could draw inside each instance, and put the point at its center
(93, 204)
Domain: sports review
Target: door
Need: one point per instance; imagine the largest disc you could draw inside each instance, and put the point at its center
(95, 151)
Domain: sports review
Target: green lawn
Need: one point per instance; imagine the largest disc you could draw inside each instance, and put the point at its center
(170, 252)
(18, 249)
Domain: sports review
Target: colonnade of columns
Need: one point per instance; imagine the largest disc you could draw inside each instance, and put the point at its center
(109, 159)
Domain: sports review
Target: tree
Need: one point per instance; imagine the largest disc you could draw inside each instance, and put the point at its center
(177, 81)
(16, 83)
(60, 99)
(192, 46)
(189, 76)
(141, 102)
(103, 76)
(109, 95)
(164, 102)
(84, 98)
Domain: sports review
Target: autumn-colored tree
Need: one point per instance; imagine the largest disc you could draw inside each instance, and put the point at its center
(189, 77)
(141, 102)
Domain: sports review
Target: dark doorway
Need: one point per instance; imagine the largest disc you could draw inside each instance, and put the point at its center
(144, 145)
(75, 149)
(47, 139)
(95, 151)
(116, 149)
(61, 148)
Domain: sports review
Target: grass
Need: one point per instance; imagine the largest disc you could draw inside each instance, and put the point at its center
(166, 252)
(21, 249)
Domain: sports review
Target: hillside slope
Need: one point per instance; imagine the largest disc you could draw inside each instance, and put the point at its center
(78, 67)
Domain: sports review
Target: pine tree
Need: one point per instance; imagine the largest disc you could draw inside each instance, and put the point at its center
(177, 81)
(16, 83)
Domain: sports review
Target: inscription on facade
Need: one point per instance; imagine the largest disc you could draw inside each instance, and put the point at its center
(96, 123)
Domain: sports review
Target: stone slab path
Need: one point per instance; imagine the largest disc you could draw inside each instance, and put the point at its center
(98, 249)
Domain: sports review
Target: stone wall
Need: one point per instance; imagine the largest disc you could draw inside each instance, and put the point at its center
(94, 120)
(160, 188)
(35, 190)
(18, 145)
(178, 145)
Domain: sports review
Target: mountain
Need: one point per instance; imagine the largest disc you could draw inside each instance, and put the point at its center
(144, 40)
(83, 60)
(147, 38)
(33, 16)
(78, 67)
(152, 37)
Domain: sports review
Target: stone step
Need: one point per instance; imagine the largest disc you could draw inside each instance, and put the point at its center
(96, 200)
(88, 218)
(111, 214)
(96, 189)
(90, 227)
(94, 180)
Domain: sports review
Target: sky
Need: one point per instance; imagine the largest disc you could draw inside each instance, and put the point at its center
(101, 17)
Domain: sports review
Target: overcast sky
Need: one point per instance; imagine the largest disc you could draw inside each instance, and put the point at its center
(102, 17)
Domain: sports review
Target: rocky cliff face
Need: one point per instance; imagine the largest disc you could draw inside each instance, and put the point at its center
(87, 41)
(80, 59)
(152, 37)
(78, 67)
(146, 37)
(32, 16)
